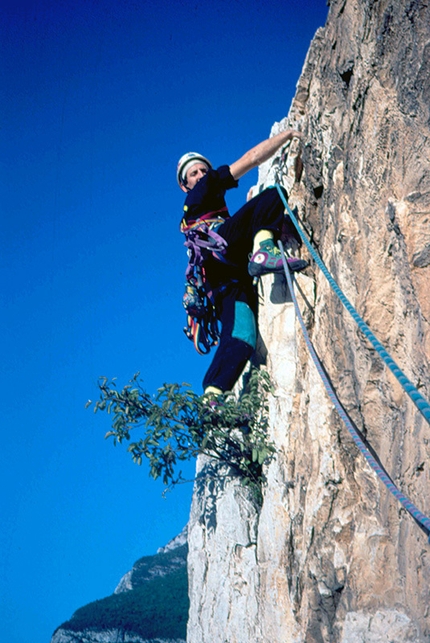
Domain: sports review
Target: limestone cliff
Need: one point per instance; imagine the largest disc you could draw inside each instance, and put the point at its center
(330, 556)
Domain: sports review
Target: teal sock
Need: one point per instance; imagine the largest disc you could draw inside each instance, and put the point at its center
(267, 244)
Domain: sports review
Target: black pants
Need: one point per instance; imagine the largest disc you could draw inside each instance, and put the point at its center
(235, 296)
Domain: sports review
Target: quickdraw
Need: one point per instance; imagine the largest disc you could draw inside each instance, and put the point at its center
(202, 324)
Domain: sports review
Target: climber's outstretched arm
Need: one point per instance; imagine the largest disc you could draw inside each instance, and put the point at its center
(262, 152)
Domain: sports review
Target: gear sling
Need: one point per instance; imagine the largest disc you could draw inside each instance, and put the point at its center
(201, 240)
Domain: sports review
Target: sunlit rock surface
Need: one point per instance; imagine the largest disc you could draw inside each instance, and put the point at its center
(332, 557)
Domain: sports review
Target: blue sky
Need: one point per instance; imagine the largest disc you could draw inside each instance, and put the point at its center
(99, 100)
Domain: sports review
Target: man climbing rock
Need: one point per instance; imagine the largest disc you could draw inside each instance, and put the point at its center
(249, 252)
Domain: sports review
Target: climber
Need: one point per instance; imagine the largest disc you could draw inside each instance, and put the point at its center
(250, 234)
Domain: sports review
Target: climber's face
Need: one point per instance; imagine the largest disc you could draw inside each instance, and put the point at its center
(194, 174)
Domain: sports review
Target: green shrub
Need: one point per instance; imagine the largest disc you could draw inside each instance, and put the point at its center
(177, 425)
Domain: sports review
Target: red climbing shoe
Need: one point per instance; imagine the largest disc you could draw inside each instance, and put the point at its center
(269, 259)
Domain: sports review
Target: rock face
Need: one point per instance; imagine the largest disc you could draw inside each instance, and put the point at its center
(331, 557)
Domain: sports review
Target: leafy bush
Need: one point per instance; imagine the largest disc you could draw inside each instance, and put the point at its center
(178, 424)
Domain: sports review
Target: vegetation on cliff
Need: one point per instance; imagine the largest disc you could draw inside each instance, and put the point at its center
(178, 424)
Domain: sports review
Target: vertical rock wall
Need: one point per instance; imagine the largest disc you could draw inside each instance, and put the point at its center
(330, 556)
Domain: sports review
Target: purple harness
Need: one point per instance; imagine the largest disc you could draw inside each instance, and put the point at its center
(199, 241)
(202, 323)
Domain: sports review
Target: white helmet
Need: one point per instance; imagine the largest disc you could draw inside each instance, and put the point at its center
(185, 162)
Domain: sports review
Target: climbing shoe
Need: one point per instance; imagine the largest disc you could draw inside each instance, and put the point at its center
(269, 259)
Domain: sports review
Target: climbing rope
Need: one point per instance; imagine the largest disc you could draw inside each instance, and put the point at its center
(421, 403)
(419, 517)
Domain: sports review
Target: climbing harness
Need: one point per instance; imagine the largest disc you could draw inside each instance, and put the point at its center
(420, 518)
(201, 241)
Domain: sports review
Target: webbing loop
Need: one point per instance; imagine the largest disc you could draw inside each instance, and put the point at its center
(420, 402)
(422, 520)
(202, 323)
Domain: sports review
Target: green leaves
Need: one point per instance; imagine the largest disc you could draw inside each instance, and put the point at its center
(177, 424)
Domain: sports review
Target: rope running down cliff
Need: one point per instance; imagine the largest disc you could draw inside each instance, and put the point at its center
(420, 402)
(420, 518)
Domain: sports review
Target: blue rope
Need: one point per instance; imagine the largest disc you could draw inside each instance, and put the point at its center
(421, 403)
(419, 517)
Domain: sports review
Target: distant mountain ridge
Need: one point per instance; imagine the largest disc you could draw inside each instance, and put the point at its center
(149, 605)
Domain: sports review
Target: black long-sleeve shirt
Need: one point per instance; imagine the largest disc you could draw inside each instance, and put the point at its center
(207, 196)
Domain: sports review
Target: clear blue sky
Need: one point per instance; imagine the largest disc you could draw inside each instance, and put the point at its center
(99, 100)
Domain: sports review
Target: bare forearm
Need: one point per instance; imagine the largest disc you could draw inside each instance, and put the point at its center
(261, 152)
